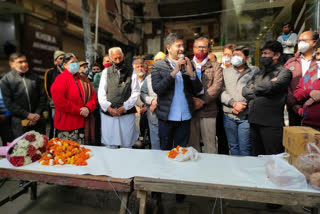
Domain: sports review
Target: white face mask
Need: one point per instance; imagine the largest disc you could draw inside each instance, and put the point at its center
(140, 74)
(226, 60)
(236, 61)
(20, 71)
(303, 46)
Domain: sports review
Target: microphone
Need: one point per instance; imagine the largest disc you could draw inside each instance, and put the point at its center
(183, 70)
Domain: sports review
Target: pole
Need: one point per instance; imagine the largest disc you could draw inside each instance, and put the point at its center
(96, 32)
(86, 31)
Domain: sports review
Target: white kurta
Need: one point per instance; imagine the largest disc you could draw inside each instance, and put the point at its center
(118, 131)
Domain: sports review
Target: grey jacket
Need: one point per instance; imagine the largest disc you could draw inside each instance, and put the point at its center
(147, 95)
(289, 43)
(233, 82)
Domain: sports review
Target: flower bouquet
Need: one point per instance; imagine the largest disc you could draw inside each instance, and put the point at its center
(62, 152)
(25, 149)
(183, 154)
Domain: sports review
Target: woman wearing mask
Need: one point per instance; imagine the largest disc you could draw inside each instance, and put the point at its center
(75, 99)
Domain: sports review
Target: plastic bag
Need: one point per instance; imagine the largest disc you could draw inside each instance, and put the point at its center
(190, 154)
(309, 163)
(284, 175)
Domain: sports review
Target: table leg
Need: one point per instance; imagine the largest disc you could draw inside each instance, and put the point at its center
(33, 193)
(142, 195)
(124, 204)
(314, 210)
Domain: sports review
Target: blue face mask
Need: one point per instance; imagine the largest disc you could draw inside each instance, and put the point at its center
(74, 67)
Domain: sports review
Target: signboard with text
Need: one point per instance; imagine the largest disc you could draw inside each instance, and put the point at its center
(41, 40)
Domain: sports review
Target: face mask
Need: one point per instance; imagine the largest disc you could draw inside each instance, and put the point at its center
(236, 61)
(118, 65)
(74, 67)
(62, 67)
(141, 74)
(303, 46)
(226, 60)
(20, 71)
(107, 65)
(201, 56)
(85, 71)
(266, 61)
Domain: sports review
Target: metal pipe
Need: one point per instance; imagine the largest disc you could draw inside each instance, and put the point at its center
(96, 31)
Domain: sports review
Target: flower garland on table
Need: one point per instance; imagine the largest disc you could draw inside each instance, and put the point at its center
(62, 152)
(176, 151)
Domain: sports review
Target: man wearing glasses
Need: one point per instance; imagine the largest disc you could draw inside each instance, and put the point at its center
(203, 122)
(299, 65)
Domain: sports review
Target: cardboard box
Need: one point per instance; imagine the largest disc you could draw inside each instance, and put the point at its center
(296, 138)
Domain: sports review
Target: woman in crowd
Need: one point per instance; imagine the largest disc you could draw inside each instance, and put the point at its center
(75, 100)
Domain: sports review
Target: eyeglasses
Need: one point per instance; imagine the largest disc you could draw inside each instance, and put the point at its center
(304, 40)
(200, 47)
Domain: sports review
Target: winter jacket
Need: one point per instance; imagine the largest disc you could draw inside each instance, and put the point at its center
(67, 95)
(163, 85)
(23, 94)
(267, 98)
(294, 65)
(311, 114)
(211, 78)
(289, 43)
(233, 82)
(49, 77)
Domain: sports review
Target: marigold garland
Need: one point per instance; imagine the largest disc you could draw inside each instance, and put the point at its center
(176, 151)
(62, 152)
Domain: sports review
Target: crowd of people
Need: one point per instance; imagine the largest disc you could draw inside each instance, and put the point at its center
(230, 108)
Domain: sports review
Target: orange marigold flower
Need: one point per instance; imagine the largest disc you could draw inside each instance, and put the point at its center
(65, 152)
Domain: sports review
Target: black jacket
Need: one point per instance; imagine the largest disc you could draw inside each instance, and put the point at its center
(23, 94)
(267, 98)
(49, 78)
(163, 85)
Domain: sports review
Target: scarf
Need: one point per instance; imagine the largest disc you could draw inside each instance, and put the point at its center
(89, 129)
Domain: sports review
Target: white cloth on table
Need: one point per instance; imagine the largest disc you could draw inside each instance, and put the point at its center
(118, 130)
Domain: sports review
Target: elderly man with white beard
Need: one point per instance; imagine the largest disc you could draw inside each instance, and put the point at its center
(141, 118)
(118, 92)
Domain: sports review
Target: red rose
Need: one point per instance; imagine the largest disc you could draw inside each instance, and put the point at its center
(31, 151)
(17, 160)
(30, 137)
(45, 140)
(35, 157)
(43, 149)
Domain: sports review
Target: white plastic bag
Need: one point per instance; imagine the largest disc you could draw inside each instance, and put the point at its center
(191, 154)
(309, 163)
(284, 175)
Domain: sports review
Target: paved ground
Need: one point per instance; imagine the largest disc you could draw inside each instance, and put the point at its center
(54, 199)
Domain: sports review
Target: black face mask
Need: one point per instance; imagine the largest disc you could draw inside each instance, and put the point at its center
(118, 65)
(266, 61)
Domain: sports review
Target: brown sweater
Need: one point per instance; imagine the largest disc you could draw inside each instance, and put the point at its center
(211, 78)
